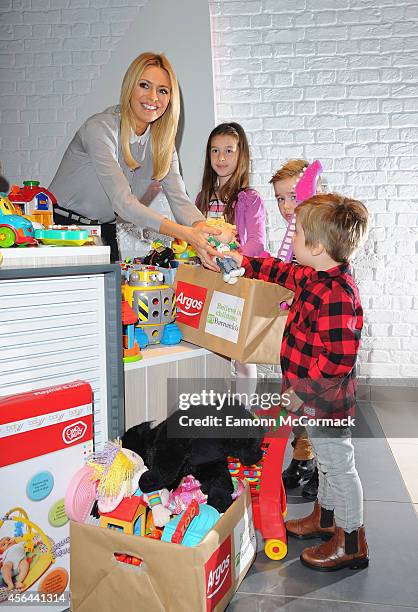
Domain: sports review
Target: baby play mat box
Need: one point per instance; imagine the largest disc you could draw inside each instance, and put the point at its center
(172, 577)
(44, 438)
(242, 321)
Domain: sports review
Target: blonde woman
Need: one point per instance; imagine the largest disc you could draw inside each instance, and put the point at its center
(120, 158)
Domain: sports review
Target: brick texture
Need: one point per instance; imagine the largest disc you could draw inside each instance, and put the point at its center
(51, 53)
(327, 79)
(336, 81)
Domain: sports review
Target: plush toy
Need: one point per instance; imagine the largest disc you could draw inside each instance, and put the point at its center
(117, 471)
(170, 458)
(223, 243)
(180, 498)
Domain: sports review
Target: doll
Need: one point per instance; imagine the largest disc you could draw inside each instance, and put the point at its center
(117, 471)
(223, 243)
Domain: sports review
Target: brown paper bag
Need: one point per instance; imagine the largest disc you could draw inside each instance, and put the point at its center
(172, 577)
(242, 321)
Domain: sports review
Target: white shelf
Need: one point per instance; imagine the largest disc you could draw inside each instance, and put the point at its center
(159, 353)
(36, 257)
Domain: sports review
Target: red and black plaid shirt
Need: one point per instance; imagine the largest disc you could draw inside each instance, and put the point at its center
(322, 334)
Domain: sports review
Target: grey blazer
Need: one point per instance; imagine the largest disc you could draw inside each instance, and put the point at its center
(94, 181)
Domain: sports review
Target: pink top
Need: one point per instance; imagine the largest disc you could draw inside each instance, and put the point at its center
(250, 219)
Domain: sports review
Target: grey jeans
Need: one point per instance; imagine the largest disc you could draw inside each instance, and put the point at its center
(339, 483)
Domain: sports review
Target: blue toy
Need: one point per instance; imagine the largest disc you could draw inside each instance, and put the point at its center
(198, 527)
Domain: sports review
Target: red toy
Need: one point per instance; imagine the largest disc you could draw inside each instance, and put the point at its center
(188, 515)
(36, 203)
(267, 491)
(129, 559)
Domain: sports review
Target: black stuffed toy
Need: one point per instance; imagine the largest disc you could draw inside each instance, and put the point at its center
(169, 458)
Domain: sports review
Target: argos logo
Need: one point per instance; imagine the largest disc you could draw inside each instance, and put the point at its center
(218, 574)
(190, 300)
(74, 432)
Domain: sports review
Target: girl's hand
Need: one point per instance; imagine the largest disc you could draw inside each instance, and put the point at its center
(152, 191)
(198, 237)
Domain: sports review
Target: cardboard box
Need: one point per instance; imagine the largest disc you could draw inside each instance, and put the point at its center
(242, 321)
(172, 577)
(45, 436)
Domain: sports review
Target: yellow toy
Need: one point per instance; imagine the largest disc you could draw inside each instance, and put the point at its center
(117, 471)
(128, 517)
(183, 250)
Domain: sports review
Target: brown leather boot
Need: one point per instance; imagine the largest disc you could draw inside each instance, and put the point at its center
(343, 550)
(319, 524)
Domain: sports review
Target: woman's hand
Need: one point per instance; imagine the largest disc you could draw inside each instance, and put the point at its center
(198, 237)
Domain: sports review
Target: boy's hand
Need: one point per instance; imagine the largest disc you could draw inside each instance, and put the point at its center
(237, 256)
(290, 401)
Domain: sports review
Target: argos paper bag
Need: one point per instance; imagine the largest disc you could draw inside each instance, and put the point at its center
(242, 321)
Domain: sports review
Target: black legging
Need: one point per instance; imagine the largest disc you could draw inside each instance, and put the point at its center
(108, 232)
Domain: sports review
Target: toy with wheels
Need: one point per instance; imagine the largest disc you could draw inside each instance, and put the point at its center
(36, 542)
(267, 491)
(15, 230)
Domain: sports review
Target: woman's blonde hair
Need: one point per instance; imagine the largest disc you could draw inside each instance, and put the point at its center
(164, 129)
(338, 223)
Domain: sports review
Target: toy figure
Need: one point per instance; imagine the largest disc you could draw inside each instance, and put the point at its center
(13, 562)
(159, 255)
(117, 471)
(223, 243)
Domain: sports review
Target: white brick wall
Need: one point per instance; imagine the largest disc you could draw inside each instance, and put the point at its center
(51, 52)
(337, 80)
(342, 74)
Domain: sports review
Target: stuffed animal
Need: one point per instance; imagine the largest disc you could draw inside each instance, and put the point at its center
(171, 458)
(117, 471)
(223, 243)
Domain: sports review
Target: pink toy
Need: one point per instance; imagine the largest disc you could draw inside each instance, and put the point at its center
(80, 495)
(305, 188)
(238, 487)
(180, 498)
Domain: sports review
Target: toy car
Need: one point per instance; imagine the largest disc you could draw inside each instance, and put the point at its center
(14, 228)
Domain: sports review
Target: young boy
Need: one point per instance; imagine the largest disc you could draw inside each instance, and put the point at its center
(302, 469)
(318, 355)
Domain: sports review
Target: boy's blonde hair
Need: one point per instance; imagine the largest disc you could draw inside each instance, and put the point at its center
(338, 223)
(291, 168)
(164, 129)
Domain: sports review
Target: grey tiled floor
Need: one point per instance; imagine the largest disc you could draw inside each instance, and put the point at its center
(389, 583)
